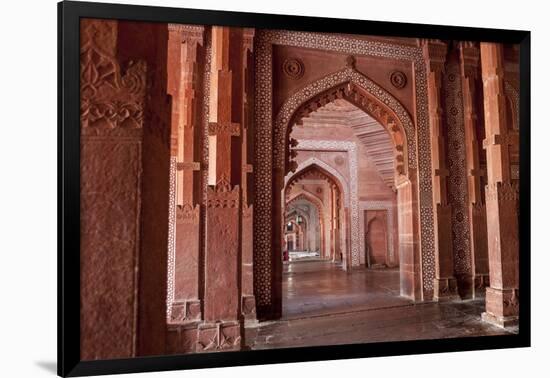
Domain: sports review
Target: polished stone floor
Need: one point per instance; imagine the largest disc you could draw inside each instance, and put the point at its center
(324, 305)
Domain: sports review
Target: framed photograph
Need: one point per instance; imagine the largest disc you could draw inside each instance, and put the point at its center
(241, 188)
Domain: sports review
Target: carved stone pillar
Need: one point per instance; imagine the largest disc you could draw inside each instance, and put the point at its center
(111, 117)
(445, 286)
(124, 186)
(470, 69)
(223, 326)
(248, 304)
(502, 297)
(184, 83)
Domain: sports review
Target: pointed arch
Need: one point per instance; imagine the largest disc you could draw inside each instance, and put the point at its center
(306, 196)
(362, 92)
(326, 169)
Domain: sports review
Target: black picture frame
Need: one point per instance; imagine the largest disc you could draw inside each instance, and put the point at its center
(69, 14)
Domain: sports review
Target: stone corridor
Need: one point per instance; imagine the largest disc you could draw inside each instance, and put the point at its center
(324, 305)
(227, 149)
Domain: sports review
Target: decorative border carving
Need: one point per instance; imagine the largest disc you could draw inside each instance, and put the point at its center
(379, 205)
(264, 140)
(171, 238)
(458, 185)
(110, 98)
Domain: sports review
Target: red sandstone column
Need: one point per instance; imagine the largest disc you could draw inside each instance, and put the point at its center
(445, 286)
(222, 329)
(502, 297)
(470, 69)
(248, 304)
(184, 83)
(111, 173)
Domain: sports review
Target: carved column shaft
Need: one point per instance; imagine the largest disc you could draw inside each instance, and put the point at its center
(470, 68)
(184, 80)
(248, 304)
(502, 298)
(111, 142)
(445, 286)
(222, 299)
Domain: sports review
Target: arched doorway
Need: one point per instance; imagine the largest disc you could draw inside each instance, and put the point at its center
(313, 181)
(351, 86)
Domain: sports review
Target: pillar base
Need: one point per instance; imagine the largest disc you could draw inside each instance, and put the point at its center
(181, 338)
(187, 311)
(481, 282)
(501, 307)
(500, 321)
(248, 307)
(219, 336)
(445, 289)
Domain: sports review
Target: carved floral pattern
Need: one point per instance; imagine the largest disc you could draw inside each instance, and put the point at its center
(109, 98)
(223, 195)
(398, 79)
(171, 238)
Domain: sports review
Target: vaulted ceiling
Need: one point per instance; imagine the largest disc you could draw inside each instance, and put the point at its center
(372, 134)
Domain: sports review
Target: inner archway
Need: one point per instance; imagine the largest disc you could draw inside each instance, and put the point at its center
(359, 146)
(313, 184)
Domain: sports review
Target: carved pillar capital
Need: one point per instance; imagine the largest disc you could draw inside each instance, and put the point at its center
(189, 33)
(435, 54)
(248, 38)
(469, 59)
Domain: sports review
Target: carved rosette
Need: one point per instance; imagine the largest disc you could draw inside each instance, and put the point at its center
(293, 68)
(398, 79)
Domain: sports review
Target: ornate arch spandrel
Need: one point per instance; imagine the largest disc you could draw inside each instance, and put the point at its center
(362, 92)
